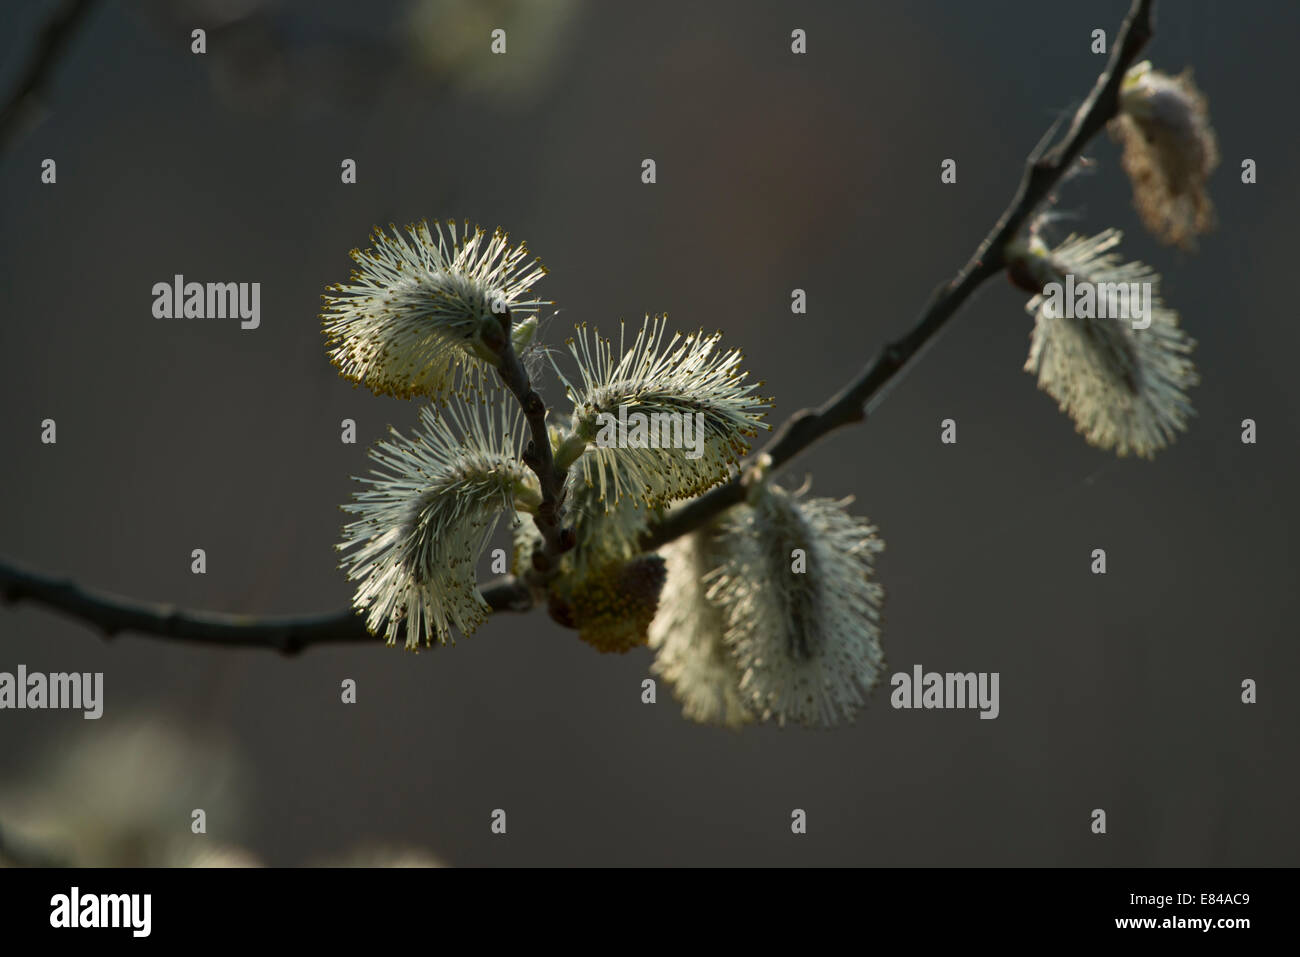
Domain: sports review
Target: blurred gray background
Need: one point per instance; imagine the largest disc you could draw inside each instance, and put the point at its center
(775, 171)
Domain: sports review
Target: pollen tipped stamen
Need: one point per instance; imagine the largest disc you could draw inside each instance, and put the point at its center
(425, 516)
(410, 321)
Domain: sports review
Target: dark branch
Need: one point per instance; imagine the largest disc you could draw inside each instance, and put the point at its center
(50, 46)
(112, 614)
(538, 456)
(853, 403)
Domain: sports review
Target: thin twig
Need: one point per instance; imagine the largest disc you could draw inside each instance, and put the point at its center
(1043, 171)
(50, 46)
(111, 614)
(538, 456)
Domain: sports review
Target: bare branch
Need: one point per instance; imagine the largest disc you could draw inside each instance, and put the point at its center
(50, 46)
(857, 399)
(538, 456)
(112, 614)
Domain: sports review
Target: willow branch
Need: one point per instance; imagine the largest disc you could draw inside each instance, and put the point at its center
(1043, 170)
(112, 614)
(538, 456)
(50, 47)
